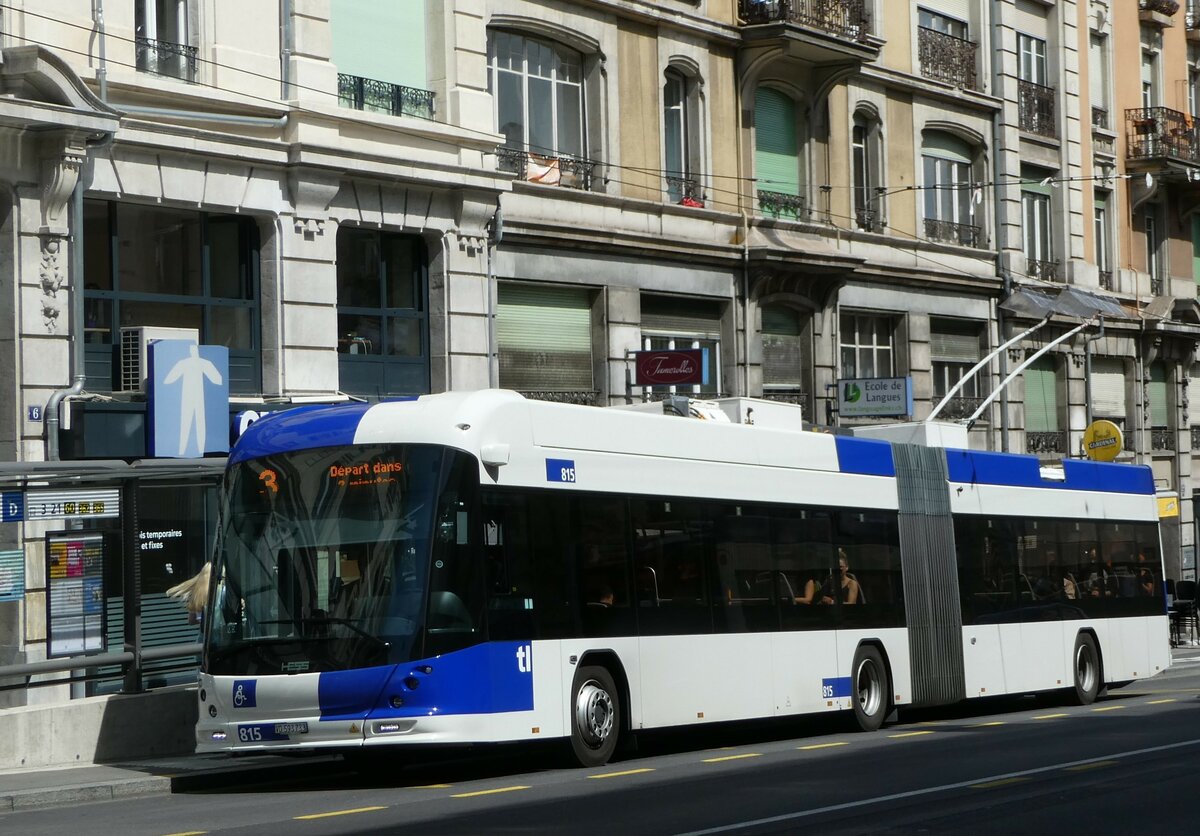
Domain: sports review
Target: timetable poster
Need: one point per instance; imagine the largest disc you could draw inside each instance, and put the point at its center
(75, 575)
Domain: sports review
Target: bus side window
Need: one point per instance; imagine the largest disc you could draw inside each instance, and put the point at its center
(508, 575)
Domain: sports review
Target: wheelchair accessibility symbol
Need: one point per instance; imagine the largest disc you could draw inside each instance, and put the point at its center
(244, 693)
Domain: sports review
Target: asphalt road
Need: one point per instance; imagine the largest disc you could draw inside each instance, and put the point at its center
(1128, 764)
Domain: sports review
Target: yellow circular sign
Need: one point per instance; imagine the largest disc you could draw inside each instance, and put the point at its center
(1102, 441)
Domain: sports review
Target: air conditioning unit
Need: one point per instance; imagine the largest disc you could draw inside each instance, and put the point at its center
(135, 358)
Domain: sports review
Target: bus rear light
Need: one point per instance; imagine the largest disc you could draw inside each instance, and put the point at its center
(393, 726)
(218, 735)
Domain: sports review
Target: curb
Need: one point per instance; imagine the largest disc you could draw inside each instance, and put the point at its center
(83, 793)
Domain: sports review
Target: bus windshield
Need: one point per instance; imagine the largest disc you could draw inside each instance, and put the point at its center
(324, 557)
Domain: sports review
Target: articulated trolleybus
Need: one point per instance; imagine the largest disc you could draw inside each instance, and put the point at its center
(470, 568)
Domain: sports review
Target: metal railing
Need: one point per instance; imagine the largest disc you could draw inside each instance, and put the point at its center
(948, 232)
(1191, 19)
(1162, 439)
(1046, 443)
(1156, 285)
(384, 97)
(166, 58)
(947, 58)
(581, 397)
(843, 18)
(549, 170)
(1044, 269)
(780, 205)
(1100, 118)
(792, 396)
(1154, 132)
(868, 219)
(961, 406)
(1195, 433)
(1035, 108)
(1106, 279)
(680, 189)
(1165, 7)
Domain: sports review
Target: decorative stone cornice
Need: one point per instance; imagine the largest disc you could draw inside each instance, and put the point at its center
(312, 192)
(60, 173)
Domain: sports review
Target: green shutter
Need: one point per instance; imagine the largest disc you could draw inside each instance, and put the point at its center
(694, 318)
(776, 151)
(1041, 397)
(364, 35)
(1159, 414)
(544, 336)
(950, 347)
(938, 144)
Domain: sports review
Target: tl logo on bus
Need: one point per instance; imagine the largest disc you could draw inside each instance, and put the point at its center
(525, 658)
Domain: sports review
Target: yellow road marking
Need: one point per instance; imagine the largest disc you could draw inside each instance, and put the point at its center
(1108, 708)
(1001, 783)
(432, 787)
(1160, 702)
(339, 813)
(824, 745)
(910, 734)
(985, 725)
(1050, 716)
(189, 833)
(733, 757)
(619, 774)
(1086, 766)
(487, 792)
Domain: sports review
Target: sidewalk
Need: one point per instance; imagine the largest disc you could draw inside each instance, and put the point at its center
(31, 788)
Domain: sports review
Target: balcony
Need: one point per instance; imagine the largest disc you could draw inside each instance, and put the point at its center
(383, 97)
(958, 408)
(1157, 12)
(166, 58)
(1195, 434)
(1046, 443)
(1100, 118)
(947, 58)
(686, 191)
(567, 172)
(779, 205)
(1159, 133)
(1044, 269)
(1191, 21)
(817, 31)
(1035, 109)
(1156, 285)
(947, 232)
(1106, 280)
(1162, 440)
(868, 220)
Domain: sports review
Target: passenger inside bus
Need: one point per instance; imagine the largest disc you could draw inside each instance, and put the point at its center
(845, 587)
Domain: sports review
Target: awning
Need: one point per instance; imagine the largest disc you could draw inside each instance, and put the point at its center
(1037, 303)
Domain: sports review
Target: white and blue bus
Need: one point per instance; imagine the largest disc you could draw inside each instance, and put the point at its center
(477, 567)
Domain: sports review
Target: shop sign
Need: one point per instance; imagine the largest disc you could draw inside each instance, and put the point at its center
(12, 506)
(188, 399)
(874, 396)
(73, 504)
(671, 367)
(1102, 441)
(12, 575)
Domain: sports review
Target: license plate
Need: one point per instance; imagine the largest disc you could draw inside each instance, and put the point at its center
(291, 728)
(262, 732)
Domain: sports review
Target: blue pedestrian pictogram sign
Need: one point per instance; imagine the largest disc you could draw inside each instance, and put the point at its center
(12, 507)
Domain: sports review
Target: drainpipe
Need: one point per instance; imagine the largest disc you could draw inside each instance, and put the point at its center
(1001, 232)
(745, 304)
(446, 301)
(285, 49)
(78, 375)
(102, 70)
(201, 116)
(495, 233)
(1087, 373)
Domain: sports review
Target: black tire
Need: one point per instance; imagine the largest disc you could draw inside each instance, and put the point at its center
(595, 716)
(1086, 664)
(869, 688)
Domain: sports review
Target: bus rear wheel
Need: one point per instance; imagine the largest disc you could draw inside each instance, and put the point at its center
(869, 688)
(1087, 669)
(595, 716)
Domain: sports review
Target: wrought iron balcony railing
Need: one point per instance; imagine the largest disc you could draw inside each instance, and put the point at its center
(1162, 438)
(1046, 270)
(1156, 132)
(948, 232)
(868, 220)
(166, 58)
(383, 97)
(1035, 111)
(1156, 285)
(1106, 280)
(568, 172)
(1191, 19)
(958, 407)
(1195, 433)
(792, 396)
(685, 190)
(944, 57)
(1100, 118)
(578, 397)
(780, 205)
(1165, 7)
(843, 18)
(1046, 443)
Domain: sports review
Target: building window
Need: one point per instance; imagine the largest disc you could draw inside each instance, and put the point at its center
(680, 140)
(866, 346)
(383, 339)
(954, 351)
(1036, 112)
(544, 340)
(1042, 433)
(1036, 233)
(670, 323)
(1032, 65)
(778, 167)
(1098, 80)
(944, 51)
(1108, 390)
(1150, 96)
(1158, 399)
(949, 208)
(538, 92)
(784, 363)
(162, 39)
(174, 268)
(1103, 240)
(1154, 265)
(865, 163)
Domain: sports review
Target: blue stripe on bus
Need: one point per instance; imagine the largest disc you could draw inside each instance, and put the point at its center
(485, 679)
(301, 428)
(1021, 471)
(867, 456)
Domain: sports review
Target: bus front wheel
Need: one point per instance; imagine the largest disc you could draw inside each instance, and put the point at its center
(1087, 669)
(595, 716)
(869, 688)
